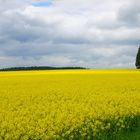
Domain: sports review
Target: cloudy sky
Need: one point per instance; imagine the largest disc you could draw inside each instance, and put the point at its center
(88, 33)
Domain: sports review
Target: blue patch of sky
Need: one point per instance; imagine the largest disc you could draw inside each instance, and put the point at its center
(46, 3)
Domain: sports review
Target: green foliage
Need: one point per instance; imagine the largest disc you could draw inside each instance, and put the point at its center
(138, 59)
(39, 68)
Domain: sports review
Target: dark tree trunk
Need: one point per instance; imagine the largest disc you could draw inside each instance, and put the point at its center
(138, 59)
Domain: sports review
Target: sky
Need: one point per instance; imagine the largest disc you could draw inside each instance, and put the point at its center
(86, 33)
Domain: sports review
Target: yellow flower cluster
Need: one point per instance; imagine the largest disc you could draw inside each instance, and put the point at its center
(77, 104)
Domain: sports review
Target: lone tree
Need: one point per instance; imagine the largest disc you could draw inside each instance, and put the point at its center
(138, 59)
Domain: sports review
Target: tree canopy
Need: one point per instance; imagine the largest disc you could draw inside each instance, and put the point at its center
(138, 59)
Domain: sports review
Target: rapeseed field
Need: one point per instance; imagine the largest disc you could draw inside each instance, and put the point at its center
(68, 105)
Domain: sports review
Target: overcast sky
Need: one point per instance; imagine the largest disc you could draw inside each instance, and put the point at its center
(87, 33)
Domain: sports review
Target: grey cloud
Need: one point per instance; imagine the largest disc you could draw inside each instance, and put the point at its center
(130, 14)
(50, 36)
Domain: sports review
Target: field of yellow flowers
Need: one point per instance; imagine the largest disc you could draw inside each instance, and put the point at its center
(68, 105)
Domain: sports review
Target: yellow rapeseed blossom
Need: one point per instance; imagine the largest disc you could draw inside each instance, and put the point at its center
(70, 104)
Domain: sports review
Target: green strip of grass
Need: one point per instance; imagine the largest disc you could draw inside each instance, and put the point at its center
(132, 135)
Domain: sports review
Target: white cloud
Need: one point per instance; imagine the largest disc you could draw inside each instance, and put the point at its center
(91, 33)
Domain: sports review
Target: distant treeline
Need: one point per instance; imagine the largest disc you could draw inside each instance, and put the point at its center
(39, 68)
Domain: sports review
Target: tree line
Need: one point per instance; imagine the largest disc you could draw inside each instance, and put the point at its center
(39, 68)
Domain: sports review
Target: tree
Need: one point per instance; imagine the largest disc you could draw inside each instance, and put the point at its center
(138, 59)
